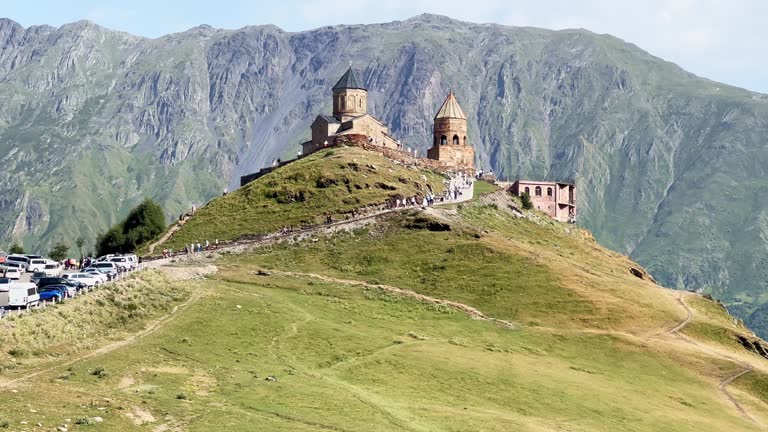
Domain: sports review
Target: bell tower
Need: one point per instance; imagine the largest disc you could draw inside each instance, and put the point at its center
(450, 144)
(350, 98)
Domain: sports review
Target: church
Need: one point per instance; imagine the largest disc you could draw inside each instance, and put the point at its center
(350, 117)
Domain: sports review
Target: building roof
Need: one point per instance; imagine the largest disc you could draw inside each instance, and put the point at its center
(451, 109)
(349, 81)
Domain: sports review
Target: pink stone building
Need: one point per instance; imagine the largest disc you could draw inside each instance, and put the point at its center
(553, 198)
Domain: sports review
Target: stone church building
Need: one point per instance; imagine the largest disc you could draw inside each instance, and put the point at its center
(450, 145)
(350, 117)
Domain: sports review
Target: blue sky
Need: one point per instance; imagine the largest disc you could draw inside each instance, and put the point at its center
(718, 39)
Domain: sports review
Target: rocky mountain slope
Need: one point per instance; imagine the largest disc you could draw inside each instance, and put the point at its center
(669, 165)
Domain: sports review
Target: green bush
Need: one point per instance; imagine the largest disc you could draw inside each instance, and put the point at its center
(16, 249)
(143, 223)
(525, 198)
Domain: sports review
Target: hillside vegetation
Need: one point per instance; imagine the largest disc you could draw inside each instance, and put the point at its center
(476, 316)
(331, 182)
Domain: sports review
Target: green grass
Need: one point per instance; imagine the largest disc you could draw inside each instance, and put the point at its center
(586, 351)
(348, 358)
(483, 187)
(83, 322)
(329, 182)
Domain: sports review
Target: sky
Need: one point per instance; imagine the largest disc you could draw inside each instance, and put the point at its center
(718, 39)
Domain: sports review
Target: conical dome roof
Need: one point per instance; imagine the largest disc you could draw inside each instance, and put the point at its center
(349, 81)
(451, 109)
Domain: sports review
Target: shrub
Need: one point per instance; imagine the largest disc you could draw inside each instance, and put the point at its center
(182, 396)
(525, 198)
(59, 251)
(100, 372)
(16, 249)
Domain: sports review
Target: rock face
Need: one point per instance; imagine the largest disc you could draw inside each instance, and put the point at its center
(669, 166)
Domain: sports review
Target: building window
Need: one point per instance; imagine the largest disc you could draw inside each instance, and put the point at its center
(528, 190)
(352, 102)
(360, 103)
(443, 140)
(455, 140)
(342, 102)
(549, 192)
(465, 140)
(538, 190)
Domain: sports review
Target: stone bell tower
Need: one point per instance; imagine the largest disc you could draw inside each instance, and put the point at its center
(450, 144)
(350, 98)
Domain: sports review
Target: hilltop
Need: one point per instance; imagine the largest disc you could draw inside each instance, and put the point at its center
(471, 316)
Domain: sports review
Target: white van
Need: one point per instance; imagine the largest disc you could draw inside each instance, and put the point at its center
(19, 295)
(36, 265)
(20, 259)
(52, 269)
(10, 272)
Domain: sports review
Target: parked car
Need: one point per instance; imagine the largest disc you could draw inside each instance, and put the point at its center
(107, 267)
(88, 279)
(4, 281)
(36, 277)
(18, 294)
(52, 269)
(11, 272)
(19, 259)
(53, 292)
(36, 264)
(134, 260)
(122, 263)
(96, 273)
(105, 258)
(76, 285)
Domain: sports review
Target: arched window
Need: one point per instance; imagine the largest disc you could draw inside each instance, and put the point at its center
(443, 140)
(342, 102)
(538, 190)
(455, 140)
(360, 102)
(549, 192)
(528, 190)
(465, 140)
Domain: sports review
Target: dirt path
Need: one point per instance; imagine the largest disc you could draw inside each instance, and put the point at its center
(177, 226)
(469, 310)
(151, 327)
(723, 387)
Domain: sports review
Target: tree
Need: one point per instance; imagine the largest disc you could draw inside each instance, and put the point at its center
(143, 223)
(526, 200)
(112, 241)
(16, 249)
(79, 243)
(59, 251)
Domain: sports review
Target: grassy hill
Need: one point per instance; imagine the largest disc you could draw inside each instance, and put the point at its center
(458, 318)
(330, 182)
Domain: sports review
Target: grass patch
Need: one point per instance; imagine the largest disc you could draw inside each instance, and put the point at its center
(483, 187)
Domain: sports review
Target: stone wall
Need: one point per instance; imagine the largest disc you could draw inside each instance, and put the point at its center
(398, 156)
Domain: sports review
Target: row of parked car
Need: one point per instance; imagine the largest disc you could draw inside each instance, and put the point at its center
(52, 284)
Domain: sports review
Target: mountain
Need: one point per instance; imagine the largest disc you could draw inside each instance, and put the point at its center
(467, 316)
(669, 166)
